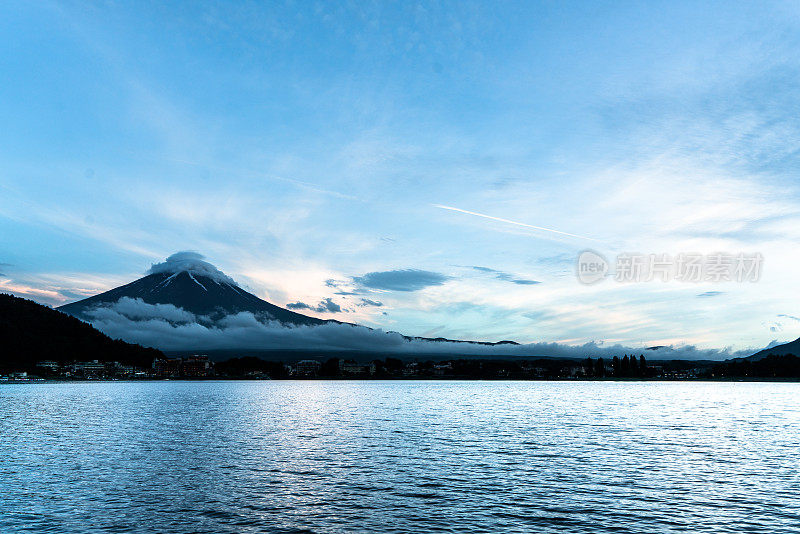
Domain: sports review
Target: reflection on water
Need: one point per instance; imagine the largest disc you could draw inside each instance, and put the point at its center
(399, 457)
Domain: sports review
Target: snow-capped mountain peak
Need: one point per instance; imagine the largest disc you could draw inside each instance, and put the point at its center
(192, 263)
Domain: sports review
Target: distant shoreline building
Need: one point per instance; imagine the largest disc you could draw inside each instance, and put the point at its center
(195, 366)
(307, 368)
(352, 368)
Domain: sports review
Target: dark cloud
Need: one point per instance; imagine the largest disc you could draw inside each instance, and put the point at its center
(506, 277)
(708, 294)
(326, 305)
(523, 282)
(367, 302)
(401, 280)
(344, 291)
(168, 327)
(299, 306)
(330, 306)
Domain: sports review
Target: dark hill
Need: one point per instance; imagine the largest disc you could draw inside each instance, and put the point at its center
(30, 332)
(773, 366)
(793, 347)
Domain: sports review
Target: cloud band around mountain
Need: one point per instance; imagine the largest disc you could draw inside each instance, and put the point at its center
(168, 327)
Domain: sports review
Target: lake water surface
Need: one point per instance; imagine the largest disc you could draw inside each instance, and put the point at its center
(350, 456)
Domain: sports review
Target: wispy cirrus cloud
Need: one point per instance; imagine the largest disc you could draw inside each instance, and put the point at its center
(515, 223)
(506, 277)
(34, 293)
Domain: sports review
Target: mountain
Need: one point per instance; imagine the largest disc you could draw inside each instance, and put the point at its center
(31, 333)
(195, 293)
(186, 281)
(153, 311)
(793, 347)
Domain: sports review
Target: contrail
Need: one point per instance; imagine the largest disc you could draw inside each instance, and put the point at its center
(512, 222)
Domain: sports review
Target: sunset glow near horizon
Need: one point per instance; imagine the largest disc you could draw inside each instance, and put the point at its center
(431, 170)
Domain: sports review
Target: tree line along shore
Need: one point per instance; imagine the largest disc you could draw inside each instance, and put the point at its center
(784, 367)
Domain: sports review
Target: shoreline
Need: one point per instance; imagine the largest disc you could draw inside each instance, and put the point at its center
(390, 379)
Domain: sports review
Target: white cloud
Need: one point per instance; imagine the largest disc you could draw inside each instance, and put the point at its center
(191, 262)
(169, 328)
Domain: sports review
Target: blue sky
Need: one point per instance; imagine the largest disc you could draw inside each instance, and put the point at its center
(307, 150)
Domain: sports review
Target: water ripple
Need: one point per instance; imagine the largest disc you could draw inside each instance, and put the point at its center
(399, 457)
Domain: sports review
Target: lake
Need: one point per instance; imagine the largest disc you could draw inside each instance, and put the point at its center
(397, 456)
